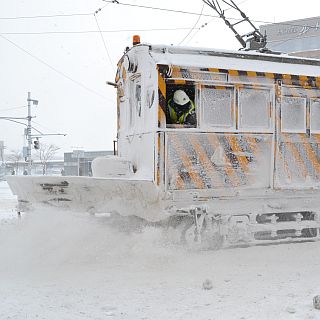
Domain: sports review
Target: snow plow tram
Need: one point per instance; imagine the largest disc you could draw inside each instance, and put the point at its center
(245, 169)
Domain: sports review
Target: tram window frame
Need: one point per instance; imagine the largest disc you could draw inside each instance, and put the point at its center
(242, 112)
(191, 91)
(204, 124)
(285, 129)
(135, 101)
(312, 101)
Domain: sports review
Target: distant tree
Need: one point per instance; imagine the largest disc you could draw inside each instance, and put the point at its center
(45, 153)
(15, 158)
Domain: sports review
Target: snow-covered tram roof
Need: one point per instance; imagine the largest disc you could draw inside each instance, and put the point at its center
(235, 60)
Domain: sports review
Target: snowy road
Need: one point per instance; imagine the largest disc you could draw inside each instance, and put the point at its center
(57, 265)
(7, 204)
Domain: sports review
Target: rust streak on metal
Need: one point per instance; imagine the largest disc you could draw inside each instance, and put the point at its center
(296, 155)
(206, 163)
(230, 171)
(310, 153)
(238, 152)
(195, 177)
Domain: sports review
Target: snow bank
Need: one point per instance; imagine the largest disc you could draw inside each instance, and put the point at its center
(7, 204)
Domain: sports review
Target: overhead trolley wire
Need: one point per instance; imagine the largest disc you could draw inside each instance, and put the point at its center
(46, 16)
(203, 14)
(153, 8)
(102, 37)
(104, 43)
(97, 31)
(198, 29)
(159, 9)
(206, 23)
(44, 127)
(12, 108)
(53, 68)
(19, 122)
(186, 36)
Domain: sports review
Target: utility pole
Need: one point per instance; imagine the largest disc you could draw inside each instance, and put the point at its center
(29, 139)
(29, 135)
(28, 131)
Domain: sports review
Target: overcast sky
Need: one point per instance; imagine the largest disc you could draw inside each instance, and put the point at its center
(67, 70)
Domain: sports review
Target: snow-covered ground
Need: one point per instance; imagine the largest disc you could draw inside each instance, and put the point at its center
(7, 204)
(67, 266)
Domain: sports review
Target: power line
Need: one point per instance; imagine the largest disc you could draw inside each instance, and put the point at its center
(201, 27)
(19, 122)
(46, 16)
(241, 2)
(149, 7)
(206, 23)
(13, 108)
(199, 17)
(160, 9)
(104, 42)
(102, 37)
(95, 31)
(204, 15)
(15, 121)
(100, 9)
(44, 127)
(53, 68)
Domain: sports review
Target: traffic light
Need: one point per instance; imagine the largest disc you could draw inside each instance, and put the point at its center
(36, 144)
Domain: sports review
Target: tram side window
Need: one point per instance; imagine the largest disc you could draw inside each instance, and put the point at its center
(181, 111)
(293, 114)
(315, 115)
(254, 109)
(217, 107)
(134, 101)
(138, 98)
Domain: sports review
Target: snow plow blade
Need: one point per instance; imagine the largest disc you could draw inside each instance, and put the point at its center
(88, 194)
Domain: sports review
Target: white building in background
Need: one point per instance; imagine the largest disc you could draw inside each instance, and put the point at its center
(296, 37)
